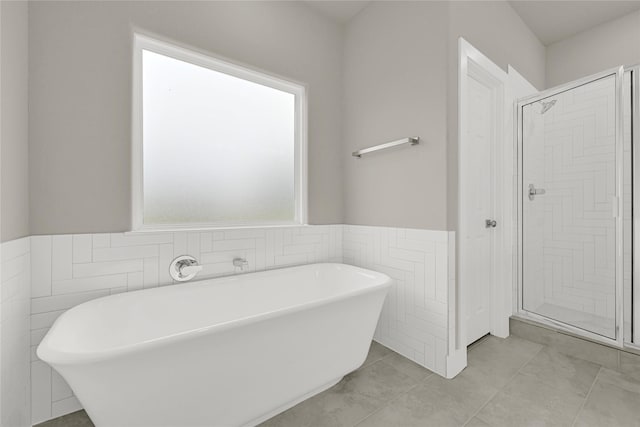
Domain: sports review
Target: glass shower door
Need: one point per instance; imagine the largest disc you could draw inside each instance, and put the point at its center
(569, 205)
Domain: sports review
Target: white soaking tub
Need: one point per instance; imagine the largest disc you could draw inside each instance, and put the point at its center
(231, 351)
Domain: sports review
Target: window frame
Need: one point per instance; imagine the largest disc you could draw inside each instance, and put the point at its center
(216, 63)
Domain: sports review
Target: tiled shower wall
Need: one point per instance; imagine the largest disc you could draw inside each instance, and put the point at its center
(569, 236)
(67, 270)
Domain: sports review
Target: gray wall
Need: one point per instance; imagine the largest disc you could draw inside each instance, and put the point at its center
(605, 46)
(80, 96)
(497, 30)
(14, 120)
(401, 79)
(397, 56)
(394, 80)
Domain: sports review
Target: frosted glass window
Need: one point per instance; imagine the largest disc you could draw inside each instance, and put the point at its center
(217, 148)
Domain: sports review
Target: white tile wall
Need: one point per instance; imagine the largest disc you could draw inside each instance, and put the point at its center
(14, 334)
(67, 270)
(70, 269)
(415, 317)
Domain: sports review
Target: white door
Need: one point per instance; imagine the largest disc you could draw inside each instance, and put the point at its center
(487, 189)
(479, 222)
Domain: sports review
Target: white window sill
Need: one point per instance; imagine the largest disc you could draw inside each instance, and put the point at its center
(204, 228)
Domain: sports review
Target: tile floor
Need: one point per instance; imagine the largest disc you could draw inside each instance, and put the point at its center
(511, 382)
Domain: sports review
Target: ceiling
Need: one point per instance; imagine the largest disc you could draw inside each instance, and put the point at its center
(556, 20)
(550, 20)
(340, 10)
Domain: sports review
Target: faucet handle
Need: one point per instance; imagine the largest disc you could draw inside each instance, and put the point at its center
(188, 270)
(184, 267)
(240, 262)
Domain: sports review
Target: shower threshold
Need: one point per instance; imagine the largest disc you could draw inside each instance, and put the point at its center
(600, 325)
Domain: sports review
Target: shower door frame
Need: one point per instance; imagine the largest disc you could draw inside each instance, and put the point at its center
(618, 72)
(635, 183)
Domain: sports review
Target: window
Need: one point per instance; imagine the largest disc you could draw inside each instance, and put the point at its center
(215, 144)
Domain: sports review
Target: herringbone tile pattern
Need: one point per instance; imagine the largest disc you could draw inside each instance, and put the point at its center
(570, 232)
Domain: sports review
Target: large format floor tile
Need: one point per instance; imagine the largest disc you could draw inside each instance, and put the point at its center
(376, 352)
(562, 372)
(75, 419)
(436, 402)
(498, 360)
(566, 344)
(527, 401)
(613, 401)
(630, 365)
(334, 407)
(358, 395)
(509, 382)
(476, 422)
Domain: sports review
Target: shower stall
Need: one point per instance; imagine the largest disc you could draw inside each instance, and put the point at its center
(575, 207)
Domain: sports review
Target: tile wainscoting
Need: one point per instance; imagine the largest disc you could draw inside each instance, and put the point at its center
(415, 317)
(70, 269)
(14, 330)
(67, 270)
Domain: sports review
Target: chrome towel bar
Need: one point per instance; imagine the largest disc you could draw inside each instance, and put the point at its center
(412, 140)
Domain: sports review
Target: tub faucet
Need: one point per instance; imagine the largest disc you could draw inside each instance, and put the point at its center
(240, 262)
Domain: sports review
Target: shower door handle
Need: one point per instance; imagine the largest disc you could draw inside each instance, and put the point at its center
(533, 192)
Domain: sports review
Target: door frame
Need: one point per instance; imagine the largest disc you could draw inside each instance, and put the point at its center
(473, 64)
(618, 72)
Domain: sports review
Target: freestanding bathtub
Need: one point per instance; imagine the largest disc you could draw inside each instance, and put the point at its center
(231, 351)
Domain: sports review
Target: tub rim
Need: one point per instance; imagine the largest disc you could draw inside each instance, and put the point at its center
(55, 356)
